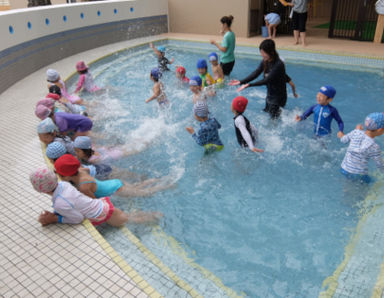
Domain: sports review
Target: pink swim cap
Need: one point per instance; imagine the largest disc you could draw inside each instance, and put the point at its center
(43, 180)
(47, 102)
(42, 112)
(81, 66)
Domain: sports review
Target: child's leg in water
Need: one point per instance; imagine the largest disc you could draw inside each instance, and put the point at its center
(119, 217)
(124, 174)
(142, 189)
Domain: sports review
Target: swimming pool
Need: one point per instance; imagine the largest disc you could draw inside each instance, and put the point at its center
(268, 225)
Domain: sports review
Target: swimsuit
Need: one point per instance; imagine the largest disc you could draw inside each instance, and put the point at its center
(86, 82)
(162, 63)
(105, 188)
(73, 98)
(245, 132)
(323, 116)
(208, 135)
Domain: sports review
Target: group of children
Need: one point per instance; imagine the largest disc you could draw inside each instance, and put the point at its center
(362, 146)
(86, 177)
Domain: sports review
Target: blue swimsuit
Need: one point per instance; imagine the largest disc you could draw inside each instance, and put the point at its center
(323, 118)
(105, 188)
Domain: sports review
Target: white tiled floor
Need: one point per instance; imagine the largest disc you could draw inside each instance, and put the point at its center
(53, 261)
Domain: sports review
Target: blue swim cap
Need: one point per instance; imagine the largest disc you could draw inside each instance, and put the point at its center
(201, 63)
(55, 150)
(156, 73)
(374, 121)
(213, 57)
(82, 142)
(328, 91)
(195, 81)
(161, 49)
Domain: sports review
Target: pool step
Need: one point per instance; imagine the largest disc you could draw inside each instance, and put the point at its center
(164, 265)
(361, 274)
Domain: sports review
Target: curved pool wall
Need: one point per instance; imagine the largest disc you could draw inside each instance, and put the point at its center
(35, 37)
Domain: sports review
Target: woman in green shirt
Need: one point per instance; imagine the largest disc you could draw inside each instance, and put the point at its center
(227, 46)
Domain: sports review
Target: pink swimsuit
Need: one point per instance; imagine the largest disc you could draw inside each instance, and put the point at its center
(73, 98)
(86, 82)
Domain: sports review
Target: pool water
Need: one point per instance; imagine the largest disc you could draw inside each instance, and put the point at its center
(268, 225)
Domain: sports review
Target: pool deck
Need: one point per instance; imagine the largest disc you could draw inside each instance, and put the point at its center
(64, 260)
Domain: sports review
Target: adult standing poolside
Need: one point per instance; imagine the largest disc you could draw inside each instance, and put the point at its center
(227, 60)
(275, 78)
(299, 19)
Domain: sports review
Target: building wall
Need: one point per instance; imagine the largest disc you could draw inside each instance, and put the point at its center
(38, 36)
(203, 17)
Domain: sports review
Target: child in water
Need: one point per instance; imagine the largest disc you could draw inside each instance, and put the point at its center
(53, 78)
(195, 85)
(85, 79)
(202, 68)
(161, 59)
(199, 93)
(180, 74)
(323, 113)
(72, 207)
(246, 133)
(362, 148)
(158, 88)
(217, 71)
(69, 169)
(208, 134)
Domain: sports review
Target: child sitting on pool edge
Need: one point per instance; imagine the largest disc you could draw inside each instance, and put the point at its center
(69, 169)
(362, 148)
(158, 88)
(53, 78)
(323, 113)
(208, 134)
(72, 207)
(246, 133)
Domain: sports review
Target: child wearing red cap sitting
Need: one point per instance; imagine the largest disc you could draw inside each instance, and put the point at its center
(158, 88)
(85, 79)
(246, 133)
(180, 74)
(69, 169)
(72, 207)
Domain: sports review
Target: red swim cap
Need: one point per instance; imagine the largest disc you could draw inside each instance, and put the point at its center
(67, 165)
(180, 70)
(239, 103)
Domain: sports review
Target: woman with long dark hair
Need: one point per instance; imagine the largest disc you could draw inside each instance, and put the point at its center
(275, 78)
(227, 59)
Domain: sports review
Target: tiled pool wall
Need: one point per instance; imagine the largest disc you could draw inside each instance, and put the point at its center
(34, 38)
